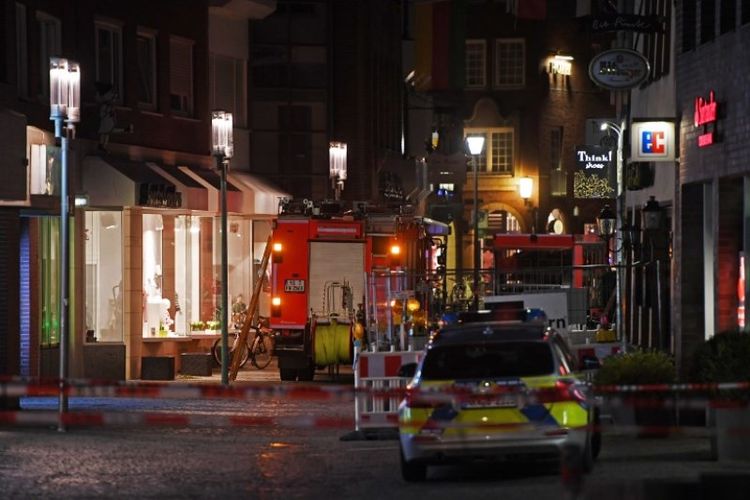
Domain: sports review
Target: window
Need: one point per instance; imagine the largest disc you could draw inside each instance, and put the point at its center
(228, 87)
(745, 6)
(728, 15)
(708, 20)
(109, 57)
(50, 45)
(688, 24)
(104, 286)
(482, 360)
(476, 63)
(497, 157)
(146, 53)
(510, 63)
(22, 52)
(181, 76)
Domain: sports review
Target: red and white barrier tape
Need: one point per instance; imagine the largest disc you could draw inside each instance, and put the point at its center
(98, 419)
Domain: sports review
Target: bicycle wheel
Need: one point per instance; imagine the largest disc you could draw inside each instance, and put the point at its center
(262, 349)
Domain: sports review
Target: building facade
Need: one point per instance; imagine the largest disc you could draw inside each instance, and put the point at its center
(713, 234)
(145, 247)
(327, 71)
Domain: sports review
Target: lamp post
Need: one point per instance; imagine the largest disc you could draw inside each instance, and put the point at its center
(620, 216)
(65, 108)
(222, 147)
(476, 145)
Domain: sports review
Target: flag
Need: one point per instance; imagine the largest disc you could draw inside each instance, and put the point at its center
(440, 45)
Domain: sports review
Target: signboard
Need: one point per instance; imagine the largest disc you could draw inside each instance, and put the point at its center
(595, 173)
(704, 116)
(618, 69)
(628, 22)
(652, 141)
(554, 305)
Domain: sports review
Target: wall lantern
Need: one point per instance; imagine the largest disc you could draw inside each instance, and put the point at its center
(526, 188)
(653, 215)
(605, 223)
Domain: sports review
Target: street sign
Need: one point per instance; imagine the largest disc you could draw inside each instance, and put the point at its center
(652, 141)
(618, 69)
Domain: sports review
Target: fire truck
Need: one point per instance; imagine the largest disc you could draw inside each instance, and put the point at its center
(552, 267)
(338, 273)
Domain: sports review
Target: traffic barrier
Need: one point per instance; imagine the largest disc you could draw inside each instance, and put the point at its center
(600, 350)
(378, 387)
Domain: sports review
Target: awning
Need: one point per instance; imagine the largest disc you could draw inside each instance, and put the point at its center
(264, 196)
(195, 196)
(211, 180)
(121, 182)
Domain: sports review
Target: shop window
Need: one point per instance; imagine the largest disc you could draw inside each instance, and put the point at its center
(104, 285)
(49, 271)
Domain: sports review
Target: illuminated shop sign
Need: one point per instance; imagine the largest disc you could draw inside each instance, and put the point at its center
(704, 116)
(595, 172)
(652, 141)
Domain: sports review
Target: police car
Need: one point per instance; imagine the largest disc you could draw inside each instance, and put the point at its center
(495, 390)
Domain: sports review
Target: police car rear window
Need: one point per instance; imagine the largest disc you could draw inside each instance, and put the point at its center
(488, 360)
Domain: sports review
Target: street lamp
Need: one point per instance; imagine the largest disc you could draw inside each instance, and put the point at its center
(223, 149)
(620, 215)
(476, 145)
(65, 108)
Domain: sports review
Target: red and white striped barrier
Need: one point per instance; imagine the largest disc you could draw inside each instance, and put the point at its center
(379, 388)
(99, 419)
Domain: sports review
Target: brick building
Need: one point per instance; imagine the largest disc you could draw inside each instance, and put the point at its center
(713, 233)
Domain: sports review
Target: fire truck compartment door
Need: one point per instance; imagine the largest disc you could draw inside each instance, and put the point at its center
(335, 262)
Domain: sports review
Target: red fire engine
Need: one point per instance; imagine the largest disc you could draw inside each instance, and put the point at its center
(322, 290)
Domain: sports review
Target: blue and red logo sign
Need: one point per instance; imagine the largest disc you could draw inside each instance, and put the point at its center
(653, 142)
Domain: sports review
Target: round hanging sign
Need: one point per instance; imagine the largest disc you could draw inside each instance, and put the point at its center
(618, 69)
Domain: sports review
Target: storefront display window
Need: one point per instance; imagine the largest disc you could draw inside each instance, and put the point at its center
(157, 317)
(104, 286)
(49, 250)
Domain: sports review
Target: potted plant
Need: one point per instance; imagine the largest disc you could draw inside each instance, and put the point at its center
(644, 409)
(722, 359)
(212, 326)
(197, 326)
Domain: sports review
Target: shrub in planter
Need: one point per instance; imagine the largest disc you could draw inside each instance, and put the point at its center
(642, 368)
(726, 358)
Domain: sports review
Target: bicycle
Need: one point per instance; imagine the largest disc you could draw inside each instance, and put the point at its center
(258, 350)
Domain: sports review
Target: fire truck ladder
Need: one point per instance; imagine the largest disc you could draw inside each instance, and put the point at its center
(252, 310)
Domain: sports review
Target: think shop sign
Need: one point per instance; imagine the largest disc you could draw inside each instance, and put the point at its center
(595, 172)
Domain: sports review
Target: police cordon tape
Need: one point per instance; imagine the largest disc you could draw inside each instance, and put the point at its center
(31, 386)
(85, 419)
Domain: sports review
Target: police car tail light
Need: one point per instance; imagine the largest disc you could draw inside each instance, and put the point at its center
(568, 390)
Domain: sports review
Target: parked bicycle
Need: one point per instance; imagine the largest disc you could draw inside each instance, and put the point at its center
(258, 348)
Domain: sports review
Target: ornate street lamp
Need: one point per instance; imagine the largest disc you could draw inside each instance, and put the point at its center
(65, 108)
(223, 150)
(475, 144)
(605, 224)
(652, 214)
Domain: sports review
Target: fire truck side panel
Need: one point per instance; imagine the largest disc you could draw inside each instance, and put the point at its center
(335, 262)
(291, 269)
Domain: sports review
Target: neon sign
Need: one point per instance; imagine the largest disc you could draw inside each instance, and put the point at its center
(704, 115)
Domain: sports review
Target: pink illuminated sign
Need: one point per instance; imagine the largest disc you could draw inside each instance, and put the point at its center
(705, 114)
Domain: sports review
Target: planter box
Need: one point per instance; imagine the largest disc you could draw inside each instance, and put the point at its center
(196, 363)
